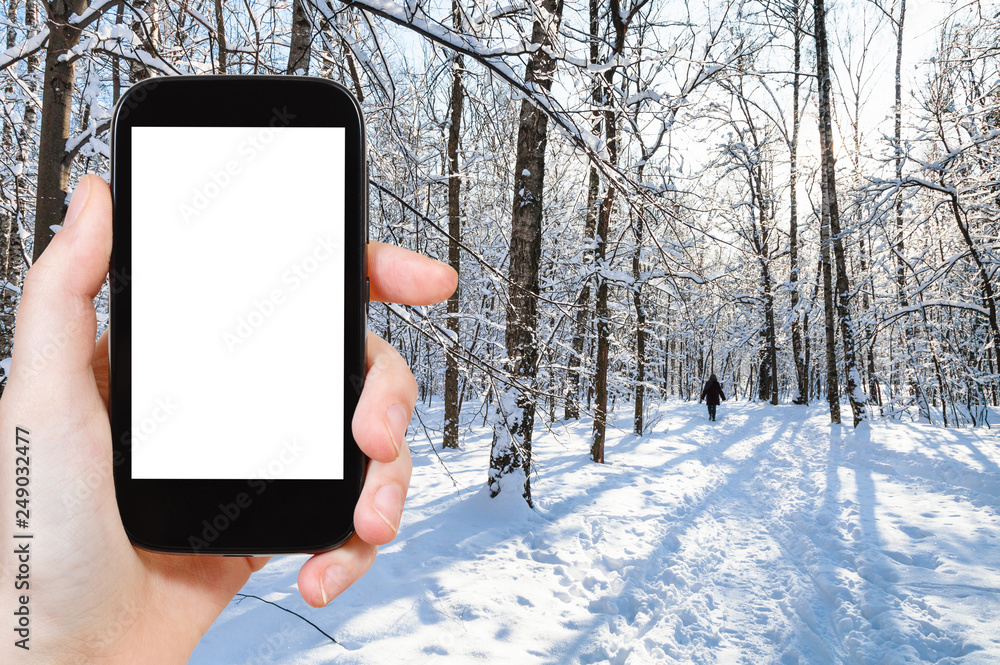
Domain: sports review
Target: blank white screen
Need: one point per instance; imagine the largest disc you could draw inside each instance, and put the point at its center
(237, 302)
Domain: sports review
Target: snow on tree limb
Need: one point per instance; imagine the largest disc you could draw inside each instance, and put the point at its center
(25, 49)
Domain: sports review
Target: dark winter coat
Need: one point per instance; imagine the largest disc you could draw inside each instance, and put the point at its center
(712, 392)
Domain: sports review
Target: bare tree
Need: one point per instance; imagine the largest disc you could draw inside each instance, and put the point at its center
(511, 450)
(583, 311)
(830, 216)
(451, 396)
(13, 264)
(620, 23)
(300, 42)
(801, 367)
(220, 37)
(898, 145)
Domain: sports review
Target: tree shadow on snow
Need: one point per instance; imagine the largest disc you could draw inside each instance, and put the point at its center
(652, 614)
(869, 614)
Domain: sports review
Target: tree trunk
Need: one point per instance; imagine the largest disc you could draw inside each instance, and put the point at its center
(900, 261)
(220, 35)
(572, 409)
(299, 44)
(640, 327)
(147, 27)
(761, 188)
(874, 392)
(603, 225)
(809, 343)
(906, 368)
(352, 69)
(451, 403)
(603, 324)
(31, 67)
(832, 379)
(801, 371)
(57, 108)
(771, 337)
(13, 263)
(831, 212)
(511, 449)
(665, 379)
(855, 388)
(116, 78)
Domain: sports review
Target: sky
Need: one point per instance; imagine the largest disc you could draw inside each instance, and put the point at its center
(920, 31)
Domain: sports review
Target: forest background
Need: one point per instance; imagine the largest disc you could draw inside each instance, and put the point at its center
(801, 197)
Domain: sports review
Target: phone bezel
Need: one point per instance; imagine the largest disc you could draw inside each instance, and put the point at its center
(283, 516)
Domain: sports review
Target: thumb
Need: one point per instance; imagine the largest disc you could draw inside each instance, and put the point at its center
(56, 323)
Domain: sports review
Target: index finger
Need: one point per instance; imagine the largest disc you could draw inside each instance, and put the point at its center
(401, 276)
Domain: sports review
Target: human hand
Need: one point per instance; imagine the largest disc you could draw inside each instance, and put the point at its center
(93, 597)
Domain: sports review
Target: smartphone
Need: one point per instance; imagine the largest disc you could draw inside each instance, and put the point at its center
(238, 298)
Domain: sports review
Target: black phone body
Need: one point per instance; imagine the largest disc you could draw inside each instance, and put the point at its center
(238, 307)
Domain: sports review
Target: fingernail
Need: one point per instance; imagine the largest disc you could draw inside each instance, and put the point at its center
(78, 201)
(388, 503)
(332, 581)
(396, 422)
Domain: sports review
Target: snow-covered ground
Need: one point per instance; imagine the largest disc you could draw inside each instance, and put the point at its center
(769, 536)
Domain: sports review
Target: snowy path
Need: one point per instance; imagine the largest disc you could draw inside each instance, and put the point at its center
(769, 536)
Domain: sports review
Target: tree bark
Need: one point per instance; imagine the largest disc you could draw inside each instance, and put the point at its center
(31, 67)
(13, 261)
(57, 108)
(905, 369)
(640, 328)
(801, 371)
(583, 312)
(760, 183)
(511, 449)
(299, 46)
(770, 338)
(147, 26)
(451, 401)
(220, 35)
(603, 225)
(116, 78)
(898, 125)
(831, 212)
(572, 409)
(603, 324)
(830, 327)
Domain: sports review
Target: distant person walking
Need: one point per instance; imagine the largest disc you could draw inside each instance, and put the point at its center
(711, 394)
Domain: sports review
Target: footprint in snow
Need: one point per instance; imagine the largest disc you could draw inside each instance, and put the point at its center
(915, 532)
